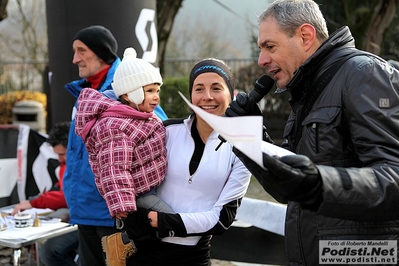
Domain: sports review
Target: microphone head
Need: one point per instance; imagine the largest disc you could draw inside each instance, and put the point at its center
(262, 86)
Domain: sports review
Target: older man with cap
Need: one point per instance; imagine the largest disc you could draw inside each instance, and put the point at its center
(95, 54)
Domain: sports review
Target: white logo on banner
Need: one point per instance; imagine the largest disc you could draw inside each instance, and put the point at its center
(149, 53)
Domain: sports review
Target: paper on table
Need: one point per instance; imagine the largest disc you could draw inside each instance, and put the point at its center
(29, 233)
(31, 211)
(243, 132)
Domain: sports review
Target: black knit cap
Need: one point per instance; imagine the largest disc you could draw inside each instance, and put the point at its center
(216, 66)
(101, 41)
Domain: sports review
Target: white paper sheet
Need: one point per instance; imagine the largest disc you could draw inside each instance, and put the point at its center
(274, 150)
(263, 214)
(32, 211)
(30, 232)
(243, 132)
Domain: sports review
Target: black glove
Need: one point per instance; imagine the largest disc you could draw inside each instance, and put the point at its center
(170, 224)
(137, 225)
(243, 105)
(289, 178)
(262, 175)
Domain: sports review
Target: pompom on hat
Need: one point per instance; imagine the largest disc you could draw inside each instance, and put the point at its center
(132, 74)
(101, 41)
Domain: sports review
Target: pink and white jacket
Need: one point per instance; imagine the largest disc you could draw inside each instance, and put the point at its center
(126, 149)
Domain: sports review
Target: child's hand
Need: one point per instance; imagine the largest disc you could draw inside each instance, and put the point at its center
(121, 215)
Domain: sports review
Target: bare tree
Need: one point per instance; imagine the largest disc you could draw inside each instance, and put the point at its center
(23, 37)
(32, 44)
(23, 33)
(196, 40)
(191, 40)
(166, 13)
(3, 9)
(383, 14)
(368, 20)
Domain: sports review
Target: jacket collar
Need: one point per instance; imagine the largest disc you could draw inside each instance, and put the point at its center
(75, 87)
(340, 38)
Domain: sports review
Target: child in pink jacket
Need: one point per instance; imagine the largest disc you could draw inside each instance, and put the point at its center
(126, 145)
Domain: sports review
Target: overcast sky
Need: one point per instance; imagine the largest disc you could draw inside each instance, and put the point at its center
(234, 18)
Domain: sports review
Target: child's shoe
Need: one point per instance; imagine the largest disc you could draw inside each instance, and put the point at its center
(115, 250)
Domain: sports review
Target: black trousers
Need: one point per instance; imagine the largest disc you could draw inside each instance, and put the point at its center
(155, 252)
(90, 249)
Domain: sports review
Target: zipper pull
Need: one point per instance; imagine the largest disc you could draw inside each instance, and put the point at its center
(190, 180)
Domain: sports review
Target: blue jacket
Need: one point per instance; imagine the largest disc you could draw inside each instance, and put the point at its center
(85, 203)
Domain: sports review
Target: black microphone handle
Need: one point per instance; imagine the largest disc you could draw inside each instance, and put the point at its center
(262, 86)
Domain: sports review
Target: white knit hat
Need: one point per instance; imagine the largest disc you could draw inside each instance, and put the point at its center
(132, 74)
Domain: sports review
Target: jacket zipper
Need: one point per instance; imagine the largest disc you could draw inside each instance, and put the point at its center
(316, 135)
(302, 253)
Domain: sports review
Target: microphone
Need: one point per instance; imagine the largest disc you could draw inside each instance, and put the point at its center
(261, 87)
